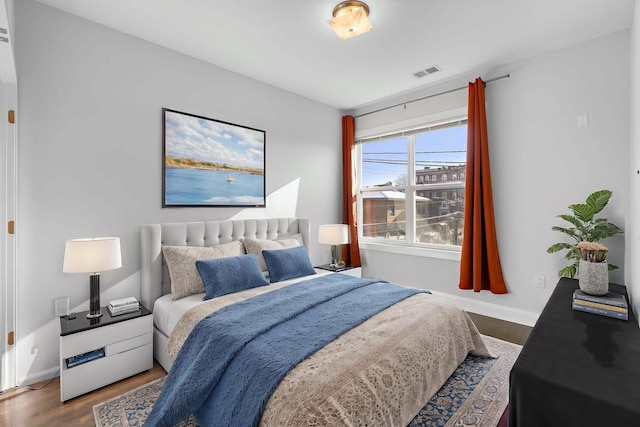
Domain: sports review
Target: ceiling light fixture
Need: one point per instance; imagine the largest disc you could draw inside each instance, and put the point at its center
(350, 18)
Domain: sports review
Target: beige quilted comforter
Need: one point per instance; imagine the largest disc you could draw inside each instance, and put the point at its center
(381, 373)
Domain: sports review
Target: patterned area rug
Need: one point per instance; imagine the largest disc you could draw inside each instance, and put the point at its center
(475, 395)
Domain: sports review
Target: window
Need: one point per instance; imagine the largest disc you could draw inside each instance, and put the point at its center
(397, 202)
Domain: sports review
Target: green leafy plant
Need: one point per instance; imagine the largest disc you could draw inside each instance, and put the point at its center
(585, 227)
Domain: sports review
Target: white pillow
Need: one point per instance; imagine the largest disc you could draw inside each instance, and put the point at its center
(181, 262)
(256, 246)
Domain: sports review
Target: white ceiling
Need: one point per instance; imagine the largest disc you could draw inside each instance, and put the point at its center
(289, 44)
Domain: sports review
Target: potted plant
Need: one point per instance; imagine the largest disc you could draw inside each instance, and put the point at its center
(585, 227)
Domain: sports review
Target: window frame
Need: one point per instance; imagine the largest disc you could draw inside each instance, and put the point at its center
(408, 129)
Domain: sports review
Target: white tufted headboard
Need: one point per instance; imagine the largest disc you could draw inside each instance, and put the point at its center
(154, 276)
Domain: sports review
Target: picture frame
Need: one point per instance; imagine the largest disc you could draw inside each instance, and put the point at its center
(211, 163)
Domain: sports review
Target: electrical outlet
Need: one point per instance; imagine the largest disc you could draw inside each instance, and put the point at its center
(61, 306)
(539, 281)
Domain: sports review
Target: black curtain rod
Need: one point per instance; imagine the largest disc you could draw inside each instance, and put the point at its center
(431, 96)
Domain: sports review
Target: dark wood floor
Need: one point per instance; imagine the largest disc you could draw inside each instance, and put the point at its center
(22, 407)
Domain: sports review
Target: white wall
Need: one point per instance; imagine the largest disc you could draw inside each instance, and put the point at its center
(633, 223)
(90, 157)
(540, 163)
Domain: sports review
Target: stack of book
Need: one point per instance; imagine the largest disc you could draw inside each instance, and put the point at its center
(123, 306)
(84, 357)
(610, 304)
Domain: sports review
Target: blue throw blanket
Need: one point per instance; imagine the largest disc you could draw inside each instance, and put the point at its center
(235, 358)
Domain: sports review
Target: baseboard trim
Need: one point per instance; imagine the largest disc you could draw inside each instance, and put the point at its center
(39, 376)
(509, 314)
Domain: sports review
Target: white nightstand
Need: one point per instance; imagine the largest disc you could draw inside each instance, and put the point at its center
(101, 351)
(351, 271)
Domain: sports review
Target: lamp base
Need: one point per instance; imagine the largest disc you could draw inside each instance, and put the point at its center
(95, 315)
(94, 296)
(335, 255)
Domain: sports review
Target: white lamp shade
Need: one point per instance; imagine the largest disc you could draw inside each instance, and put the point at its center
(333, 234)
(92, 255)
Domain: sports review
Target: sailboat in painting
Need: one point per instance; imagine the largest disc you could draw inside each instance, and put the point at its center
(229, 178)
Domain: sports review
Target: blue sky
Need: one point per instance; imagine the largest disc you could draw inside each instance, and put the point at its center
(211, 141)
(387, 160)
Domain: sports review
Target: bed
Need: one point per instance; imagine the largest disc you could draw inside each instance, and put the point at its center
(379, 371)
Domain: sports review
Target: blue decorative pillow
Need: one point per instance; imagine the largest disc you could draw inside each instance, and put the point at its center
(223, 276)
(289, 263)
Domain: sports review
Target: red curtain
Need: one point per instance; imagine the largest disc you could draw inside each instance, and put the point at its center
(480, 262)
(350, 252)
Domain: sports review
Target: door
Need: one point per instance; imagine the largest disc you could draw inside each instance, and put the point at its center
(8, 196)
(8, 187)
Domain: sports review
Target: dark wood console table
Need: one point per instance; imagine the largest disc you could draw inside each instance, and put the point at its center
(577, 369)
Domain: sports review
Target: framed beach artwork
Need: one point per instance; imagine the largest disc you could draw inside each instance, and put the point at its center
(211, 163)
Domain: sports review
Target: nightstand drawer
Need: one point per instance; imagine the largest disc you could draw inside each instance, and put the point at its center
(82, 342)
(355, 271)
(101, 372)
(126, 345)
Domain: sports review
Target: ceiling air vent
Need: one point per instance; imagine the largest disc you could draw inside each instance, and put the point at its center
(427, 71)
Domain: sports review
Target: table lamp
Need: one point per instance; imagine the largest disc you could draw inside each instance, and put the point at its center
(92, 256)
(334, 235)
